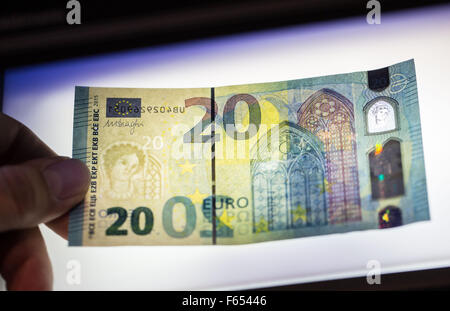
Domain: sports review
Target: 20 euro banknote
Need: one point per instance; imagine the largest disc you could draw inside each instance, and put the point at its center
(250, 163)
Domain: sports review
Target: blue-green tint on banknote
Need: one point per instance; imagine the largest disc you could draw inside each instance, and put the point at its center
(250, 163)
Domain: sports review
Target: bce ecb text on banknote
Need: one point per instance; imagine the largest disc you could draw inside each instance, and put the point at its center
(250, 163)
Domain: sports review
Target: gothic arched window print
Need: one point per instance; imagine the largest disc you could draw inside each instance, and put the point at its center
(381, 115)
(329, 116)
(386, 171)
(289, 187)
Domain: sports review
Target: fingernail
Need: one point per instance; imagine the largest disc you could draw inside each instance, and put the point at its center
(67, 178)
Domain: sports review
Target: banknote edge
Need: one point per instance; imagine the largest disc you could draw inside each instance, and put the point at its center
(79, 150)
(82, 93)
(419, 141)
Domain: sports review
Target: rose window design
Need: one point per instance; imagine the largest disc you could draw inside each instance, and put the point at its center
(312, 122)
(324, 107)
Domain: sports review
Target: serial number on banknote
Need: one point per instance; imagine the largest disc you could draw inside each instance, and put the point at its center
(147, 109)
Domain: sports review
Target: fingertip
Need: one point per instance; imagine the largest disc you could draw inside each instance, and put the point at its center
(67, 178)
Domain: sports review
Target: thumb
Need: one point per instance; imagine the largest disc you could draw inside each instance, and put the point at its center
(40, 190)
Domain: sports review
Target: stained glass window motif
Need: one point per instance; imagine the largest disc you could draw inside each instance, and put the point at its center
(269, 196)
(152, 178)
(277, 200)
(260, 200)
(306, 194)
(288, 191)
(298, 197)
(329, 115)
(386, 172)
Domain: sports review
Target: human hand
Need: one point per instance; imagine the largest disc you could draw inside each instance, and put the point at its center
(36, 186)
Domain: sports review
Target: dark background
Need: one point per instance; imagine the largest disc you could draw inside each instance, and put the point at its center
(36, 31)
(33, 32)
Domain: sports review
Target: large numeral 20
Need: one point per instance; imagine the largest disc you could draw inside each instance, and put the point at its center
(194, 135)
(147, 226)
(114, 229)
